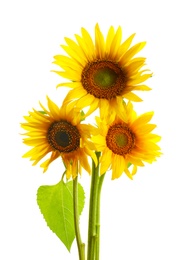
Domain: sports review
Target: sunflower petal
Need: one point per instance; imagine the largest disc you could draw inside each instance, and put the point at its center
(109, 39)
(132, 52)
(118, 166)
(88, 40)
(105, 161)
(132, 97)
(125, 45)
(116, 43)
(99, 42)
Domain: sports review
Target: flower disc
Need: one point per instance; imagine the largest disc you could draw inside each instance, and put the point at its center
(103, 79)
(120, 140)
(63, 137)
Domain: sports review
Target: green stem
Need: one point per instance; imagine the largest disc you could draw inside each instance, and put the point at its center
(92, 232)
(80, 245)
(101, 179)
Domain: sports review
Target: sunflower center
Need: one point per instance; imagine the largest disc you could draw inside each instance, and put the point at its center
(119, 139)
(63, 137)
(103, 79)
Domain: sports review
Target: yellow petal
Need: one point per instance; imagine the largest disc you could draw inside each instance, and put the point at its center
(104, 107)
(35, 141)
(125, 45)
(128, 173)
(131, 52)
(135, 161)
(143, 129)
(109, 39)
(64, 62)
(118, 166)
(143, 119)
(141, 87)
(139, 79)
(88, 40)
(45, 164)
(89, 54)
(54, 109)
(121, 109)
(93, 106)
(84, 163)
(40, 156)
(105, 161)
(116, 43)
(76, 93)
(132, 97)
(74, 55)
(69, 84)
(70, 74)
(99, 42)
(85, 101)
(36, 151)
(76, 48)
(92, 155)
(135, 66)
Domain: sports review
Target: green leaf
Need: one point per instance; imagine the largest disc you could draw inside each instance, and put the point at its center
(56, 205)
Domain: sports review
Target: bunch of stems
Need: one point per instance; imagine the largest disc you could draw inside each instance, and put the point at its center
(93, 245)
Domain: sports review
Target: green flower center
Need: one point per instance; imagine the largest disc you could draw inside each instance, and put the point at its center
(119, 139)
(63, 137)
(103, 79)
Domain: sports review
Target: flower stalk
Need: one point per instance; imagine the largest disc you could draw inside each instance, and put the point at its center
(93, 233)
(101, 179)
(80, 245)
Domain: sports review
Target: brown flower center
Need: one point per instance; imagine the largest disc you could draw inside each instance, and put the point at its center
(119, 139)
(63, 137)
(103, 79)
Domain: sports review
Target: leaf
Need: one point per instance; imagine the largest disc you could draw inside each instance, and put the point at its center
(56, 205)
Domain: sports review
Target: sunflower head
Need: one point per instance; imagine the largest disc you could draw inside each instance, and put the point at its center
(58, 132)
(126, 141)
(103, 71)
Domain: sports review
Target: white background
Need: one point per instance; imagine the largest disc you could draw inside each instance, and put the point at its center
(151, 217)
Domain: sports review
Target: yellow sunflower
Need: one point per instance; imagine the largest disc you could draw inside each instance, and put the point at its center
(102, 72)
(58, 132)
(125, 142)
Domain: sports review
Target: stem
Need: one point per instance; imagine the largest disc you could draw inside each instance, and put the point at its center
(80, 245)
(92, 232)
(101, 179)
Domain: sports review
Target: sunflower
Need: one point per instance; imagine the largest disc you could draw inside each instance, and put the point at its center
(58, 132)
(103, 72)
(125, 143)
